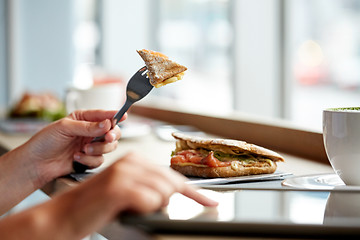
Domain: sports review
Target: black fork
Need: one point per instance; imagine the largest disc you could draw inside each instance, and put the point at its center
(137, 88)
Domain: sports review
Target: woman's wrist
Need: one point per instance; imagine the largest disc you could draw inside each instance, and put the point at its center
(19, 173)
(88, 206)
(41, 171)
(27, 168)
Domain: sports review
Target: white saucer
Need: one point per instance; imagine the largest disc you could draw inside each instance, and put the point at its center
(326, 181)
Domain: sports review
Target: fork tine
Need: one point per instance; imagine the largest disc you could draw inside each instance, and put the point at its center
(141, 72)
(142, 69)
(145, 71)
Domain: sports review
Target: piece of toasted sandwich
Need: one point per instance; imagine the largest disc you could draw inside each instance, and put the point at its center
(161, 69)
(209, 158)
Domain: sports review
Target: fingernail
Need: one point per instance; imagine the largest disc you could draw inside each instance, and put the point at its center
(114, 136)
(102, 124)
(89, 149)
(77, 156)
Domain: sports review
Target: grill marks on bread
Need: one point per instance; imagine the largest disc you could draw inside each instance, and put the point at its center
(162, 70)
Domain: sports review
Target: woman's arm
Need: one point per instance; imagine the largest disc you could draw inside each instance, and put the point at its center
(129, 184)
(51, 152)
(18, 178)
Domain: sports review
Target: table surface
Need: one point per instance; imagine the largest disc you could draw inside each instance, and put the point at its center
(158, 152)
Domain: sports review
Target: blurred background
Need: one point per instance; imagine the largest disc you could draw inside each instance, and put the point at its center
(286, 59)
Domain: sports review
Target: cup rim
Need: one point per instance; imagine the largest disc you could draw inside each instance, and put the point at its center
(343, 109)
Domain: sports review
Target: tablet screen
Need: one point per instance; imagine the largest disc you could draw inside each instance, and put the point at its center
(253, 206)
(273, 210)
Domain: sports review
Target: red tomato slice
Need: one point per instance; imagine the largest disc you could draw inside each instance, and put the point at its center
(187, 156)
(212, 161)
(192, 156)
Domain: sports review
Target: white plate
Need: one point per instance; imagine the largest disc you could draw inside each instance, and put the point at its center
(208, 181)
(326, 181)
(250, 178)
(164, 131)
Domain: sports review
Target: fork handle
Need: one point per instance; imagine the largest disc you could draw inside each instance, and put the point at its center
(116, 119)
(81, 168)
(123, 110)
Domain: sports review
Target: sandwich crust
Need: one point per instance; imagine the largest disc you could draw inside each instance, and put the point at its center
(229, 171)
(224, 145)
(261, 160)
(160, 67)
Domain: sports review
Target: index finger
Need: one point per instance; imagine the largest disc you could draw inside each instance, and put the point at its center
(95, 115)
(192, 193)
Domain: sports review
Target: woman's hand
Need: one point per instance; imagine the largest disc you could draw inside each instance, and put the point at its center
(137, 185)
(51, 152)
(131, 183)
(54, 148)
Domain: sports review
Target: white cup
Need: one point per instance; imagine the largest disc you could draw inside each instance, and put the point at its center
(341, 134)
(110, 96)
(342, 205)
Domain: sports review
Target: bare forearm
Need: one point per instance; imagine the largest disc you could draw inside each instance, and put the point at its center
(71, 215)
(128, 184)
(18, 179)
(84, 209)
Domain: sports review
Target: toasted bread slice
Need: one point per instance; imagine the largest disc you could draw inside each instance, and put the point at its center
(211, 158)
(161, 69)
(229, 146)
(224, 172)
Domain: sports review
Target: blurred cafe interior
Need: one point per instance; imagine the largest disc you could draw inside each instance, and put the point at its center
(281, 61)
(272, 59)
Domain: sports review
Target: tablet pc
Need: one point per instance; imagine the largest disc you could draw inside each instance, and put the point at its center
(258, 212)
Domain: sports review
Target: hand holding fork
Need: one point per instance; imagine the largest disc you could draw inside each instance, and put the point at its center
(137, 88)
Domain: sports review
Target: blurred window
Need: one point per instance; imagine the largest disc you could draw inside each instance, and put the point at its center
(198, 34)
(3, 56)
(273, 58)
(324, 56)
(318, 64)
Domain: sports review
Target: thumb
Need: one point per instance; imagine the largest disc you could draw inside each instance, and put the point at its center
(84, 128)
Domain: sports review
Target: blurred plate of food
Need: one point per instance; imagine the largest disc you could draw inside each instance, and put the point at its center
(32, 112)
